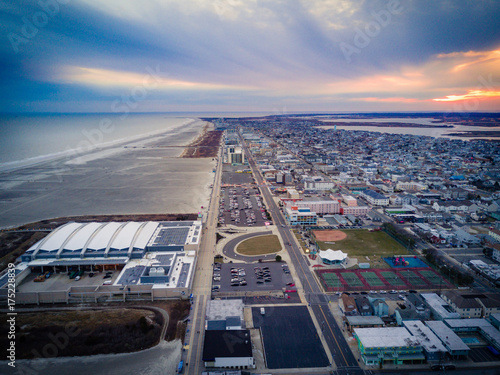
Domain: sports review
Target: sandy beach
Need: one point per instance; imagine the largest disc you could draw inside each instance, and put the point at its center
(143, 175)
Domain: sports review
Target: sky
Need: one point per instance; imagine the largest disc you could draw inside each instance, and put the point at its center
(274, 56)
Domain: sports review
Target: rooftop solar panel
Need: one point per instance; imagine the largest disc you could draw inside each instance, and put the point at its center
(164, 259)
(171, 236)
(176, 224)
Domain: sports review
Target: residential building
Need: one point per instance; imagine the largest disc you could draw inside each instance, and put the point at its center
(347, 305)
(364, 306)
(432, 346)
(464, 304)
(355, 211)
(454, 345)
(235, 155)
(363, 322)
(394, 345)
(300, 216)
(320, 207)
(440, 309)
(375, 198)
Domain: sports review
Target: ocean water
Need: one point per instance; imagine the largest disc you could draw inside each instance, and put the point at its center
(71, 165)
(27, 139)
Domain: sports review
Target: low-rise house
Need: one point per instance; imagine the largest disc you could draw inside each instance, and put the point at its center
(463, 304)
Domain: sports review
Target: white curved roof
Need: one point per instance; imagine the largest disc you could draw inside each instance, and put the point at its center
(102, 238)
(57, 238)
(80, 238)
(332, 255)
(124, 238)
(145, 234)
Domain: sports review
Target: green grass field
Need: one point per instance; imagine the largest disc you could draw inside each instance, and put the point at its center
(361, 243)
(260, 245)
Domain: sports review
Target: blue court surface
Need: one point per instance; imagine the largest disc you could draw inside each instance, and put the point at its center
(290, 338)
(405, 262)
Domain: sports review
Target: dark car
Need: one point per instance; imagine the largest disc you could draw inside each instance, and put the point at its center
(449, 367)
(436, 367)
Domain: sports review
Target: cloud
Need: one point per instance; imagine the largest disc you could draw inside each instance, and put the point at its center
(251, 52)
(472, 94)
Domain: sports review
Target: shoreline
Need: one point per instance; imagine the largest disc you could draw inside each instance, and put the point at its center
(136, 179)
(82, 154)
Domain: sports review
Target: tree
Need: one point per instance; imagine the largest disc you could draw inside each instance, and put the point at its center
(278, 258)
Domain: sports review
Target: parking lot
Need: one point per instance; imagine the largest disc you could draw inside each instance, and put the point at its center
(61, 281)
(241, 207)
(233, 175)
(290, 338)
(242, 277)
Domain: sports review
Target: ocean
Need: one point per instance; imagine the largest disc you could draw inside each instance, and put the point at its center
(96, 164)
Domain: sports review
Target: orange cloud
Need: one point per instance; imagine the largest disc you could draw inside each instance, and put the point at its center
(472, 94)
(106, 78)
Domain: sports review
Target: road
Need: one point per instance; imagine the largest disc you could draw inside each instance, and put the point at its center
(343, 357)
(202, 283)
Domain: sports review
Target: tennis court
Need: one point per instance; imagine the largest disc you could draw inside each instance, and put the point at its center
(378, 279)
(431, 276)
(413, 278)
(392, 278)
(371, 278)
(352, 279)
(332, 280)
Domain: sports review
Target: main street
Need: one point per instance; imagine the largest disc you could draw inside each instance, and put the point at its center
(343, 357)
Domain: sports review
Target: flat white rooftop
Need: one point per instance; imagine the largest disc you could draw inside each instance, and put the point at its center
(427, 338)
(449, 338)
(388, 337)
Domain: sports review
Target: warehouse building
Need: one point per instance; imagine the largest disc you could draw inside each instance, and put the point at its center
(228, 349)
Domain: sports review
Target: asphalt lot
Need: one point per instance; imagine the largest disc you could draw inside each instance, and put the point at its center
(290, 338)
(241, 207)
(279, 278)
(482, 355)
(230, 176)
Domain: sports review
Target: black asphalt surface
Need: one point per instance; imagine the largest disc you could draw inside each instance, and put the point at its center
(337, 344)
(229, 248)
(482, 355)
(278, 278)
(290, 339)
(230, 177)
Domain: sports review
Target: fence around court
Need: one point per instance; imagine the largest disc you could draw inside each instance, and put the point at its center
(380, 279)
